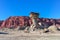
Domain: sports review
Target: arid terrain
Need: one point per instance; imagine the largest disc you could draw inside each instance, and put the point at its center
(11, 34)
(20, 35)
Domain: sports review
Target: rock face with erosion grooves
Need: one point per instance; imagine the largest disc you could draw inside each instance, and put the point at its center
(15, 21)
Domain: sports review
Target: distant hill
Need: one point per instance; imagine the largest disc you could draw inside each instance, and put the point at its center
(21, 21)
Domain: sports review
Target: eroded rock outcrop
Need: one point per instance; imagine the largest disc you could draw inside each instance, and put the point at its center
(15, 21)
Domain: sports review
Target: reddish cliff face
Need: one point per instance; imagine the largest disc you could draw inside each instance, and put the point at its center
(15, 21)
(1, 23)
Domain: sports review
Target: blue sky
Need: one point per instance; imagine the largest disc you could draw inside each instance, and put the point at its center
(46, 8)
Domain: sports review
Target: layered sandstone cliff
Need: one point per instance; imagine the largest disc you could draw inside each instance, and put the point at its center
(15, 21)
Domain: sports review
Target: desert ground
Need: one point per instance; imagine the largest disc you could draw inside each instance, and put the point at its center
(21, 35)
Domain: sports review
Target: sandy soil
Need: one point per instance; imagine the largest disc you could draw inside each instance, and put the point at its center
(36, 35)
